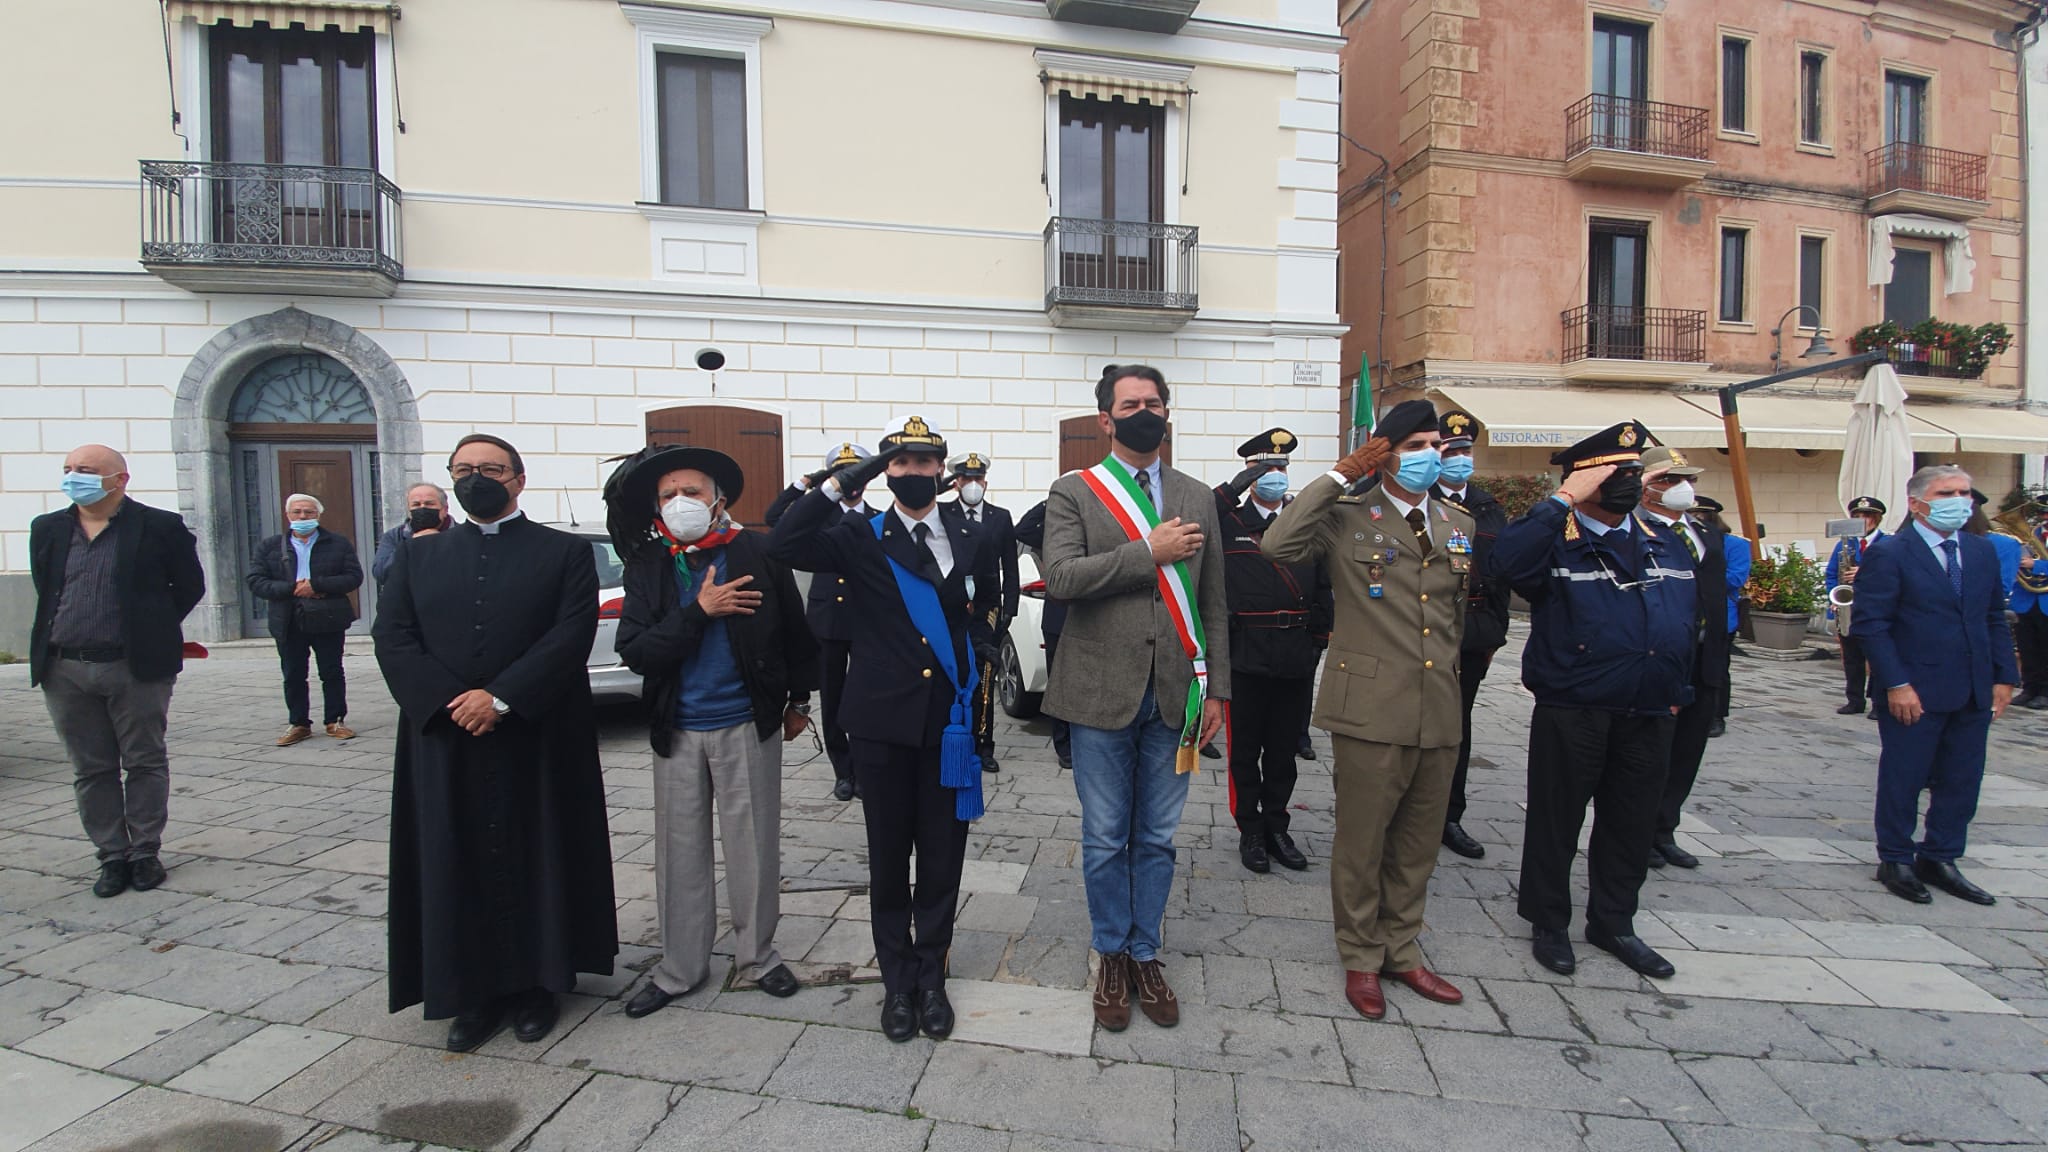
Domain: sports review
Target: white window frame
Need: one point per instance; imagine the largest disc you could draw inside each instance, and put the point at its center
(1170, 156)
(696, 34)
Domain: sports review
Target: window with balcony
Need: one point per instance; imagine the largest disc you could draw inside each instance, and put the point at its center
(703, 103)
(1616, 134)
(1621, 80)
(1616, 323)
(1813, 97)
(1735, 85)
(1905, 108)
(1813, 262)
(1734, 304)
(1909, 174)
(1108, 242)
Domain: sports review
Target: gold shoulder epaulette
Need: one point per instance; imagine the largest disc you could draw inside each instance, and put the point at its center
(1350, 499)
(1571, 527)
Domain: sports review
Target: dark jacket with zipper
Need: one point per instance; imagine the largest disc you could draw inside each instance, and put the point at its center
(274, 572)
(774, 649)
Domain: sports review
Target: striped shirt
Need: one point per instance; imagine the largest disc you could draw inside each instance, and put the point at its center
(88, 612)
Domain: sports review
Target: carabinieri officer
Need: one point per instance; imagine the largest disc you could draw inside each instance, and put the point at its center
(1609, 659)
(920, 580)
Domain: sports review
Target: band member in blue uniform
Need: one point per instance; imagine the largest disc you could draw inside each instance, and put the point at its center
(1843, 563)
(1609, 659)
(923, 581)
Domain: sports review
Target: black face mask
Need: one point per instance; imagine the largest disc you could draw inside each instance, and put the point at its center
(914, 492)
(482, 497)
(421, 518)
(1621, 492)
(1141, 431)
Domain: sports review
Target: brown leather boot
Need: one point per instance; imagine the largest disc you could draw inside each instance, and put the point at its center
(1155, 998)
(1113, 993)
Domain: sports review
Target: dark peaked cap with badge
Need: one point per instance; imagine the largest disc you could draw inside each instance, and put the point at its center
(1406, 419)
(1459, 428)
(1272, 442)
(1866, 504)
(913, 435)
(1622, 445)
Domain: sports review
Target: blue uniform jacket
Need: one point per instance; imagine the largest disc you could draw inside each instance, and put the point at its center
(1739, 561)
(2021, 600)
(1622, 644)
(1850, 550)
(1917, 631)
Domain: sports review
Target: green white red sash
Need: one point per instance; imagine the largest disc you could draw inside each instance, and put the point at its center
(1112, 483)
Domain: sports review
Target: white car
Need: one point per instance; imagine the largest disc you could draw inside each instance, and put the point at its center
(1021, 668)
(610, 679)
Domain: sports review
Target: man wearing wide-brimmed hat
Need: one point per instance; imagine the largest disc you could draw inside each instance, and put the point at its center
(716, 630)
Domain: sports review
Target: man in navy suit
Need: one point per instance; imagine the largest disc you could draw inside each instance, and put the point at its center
(1930, 610)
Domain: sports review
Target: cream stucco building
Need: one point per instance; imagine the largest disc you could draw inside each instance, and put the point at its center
(266, 246)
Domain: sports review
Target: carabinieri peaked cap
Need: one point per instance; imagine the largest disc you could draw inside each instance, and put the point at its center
(1273, 442)
(1459, 428)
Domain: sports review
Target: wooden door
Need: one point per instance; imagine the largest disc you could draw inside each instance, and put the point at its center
(1083, 444)
(327, 475)
(752, 438)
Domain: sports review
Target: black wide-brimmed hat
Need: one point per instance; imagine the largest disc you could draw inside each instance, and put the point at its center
(630, 492)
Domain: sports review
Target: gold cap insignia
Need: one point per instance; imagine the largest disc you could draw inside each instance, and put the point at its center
(845, 455)
(1628, 436)
(1456, 425)
(974, 460)
(1282, 439)
(1678, 459)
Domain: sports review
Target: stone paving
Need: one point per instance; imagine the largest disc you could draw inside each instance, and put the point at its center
(240, 1008)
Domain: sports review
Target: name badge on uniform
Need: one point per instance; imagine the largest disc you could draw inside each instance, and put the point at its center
(1375, 513)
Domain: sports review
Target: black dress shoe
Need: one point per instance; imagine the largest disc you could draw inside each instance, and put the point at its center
(1306, 749)
(1717, 729)
(146, 873)
(1631, 950)
(1553, 949)
(113, 879)
(2036, 704)
(649, 1000)
(1280, 846)
(989, 763)
(842, 788)
(778, 981)
(471, 1029)
(535, 1016)
(1460, 841)
(1211, 752)
(1674, 855)
(1852, 708)
(1943, 874)
(1901, 882)
(936, 1013)
(1251, 852)
(899, 1016)
(1656, 860)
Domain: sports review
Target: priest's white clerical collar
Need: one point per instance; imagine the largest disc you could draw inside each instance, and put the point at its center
(491, 529)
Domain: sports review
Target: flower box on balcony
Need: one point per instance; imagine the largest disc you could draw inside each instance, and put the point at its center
(1936, 347)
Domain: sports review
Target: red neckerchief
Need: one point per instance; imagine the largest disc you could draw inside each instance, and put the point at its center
(679, 551)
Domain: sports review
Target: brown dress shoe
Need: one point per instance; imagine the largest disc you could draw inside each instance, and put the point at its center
(293, 735)
(1363, 990)
(1155, 998)
(1429, 985)
(1113, 993)
(341, 731)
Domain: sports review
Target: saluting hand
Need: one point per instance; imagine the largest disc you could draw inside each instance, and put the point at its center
(729, 599)
(1582, 485)
(1365, 459)
(1173, 541)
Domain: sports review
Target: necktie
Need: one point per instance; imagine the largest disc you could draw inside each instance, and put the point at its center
(1686, 536)
(1420, 523)
(1145, 486)
(923, 535)
(1955, 569)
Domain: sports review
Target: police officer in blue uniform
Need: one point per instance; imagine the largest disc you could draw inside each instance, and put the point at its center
(1609, 660)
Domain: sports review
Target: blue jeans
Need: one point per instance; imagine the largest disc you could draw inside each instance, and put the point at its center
(1131, 800)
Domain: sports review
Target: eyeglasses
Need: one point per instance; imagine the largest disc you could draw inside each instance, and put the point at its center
(494, 471)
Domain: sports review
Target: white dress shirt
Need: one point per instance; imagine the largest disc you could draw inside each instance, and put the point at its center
(1403, 508)
(1934, 540)
(941, 547)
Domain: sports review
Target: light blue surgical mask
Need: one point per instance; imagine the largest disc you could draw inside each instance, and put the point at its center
(305, 527)
(1457, 469)
(1271, 487)
(1419, 469)
(1950, 513)
(83, 487)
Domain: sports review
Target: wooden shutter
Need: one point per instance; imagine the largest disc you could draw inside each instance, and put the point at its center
(750, 437)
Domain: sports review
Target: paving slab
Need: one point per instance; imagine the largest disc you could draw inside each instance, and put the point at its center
(1233, 1040)
(101, 1030)
(708, 1120)
(259, 1063)
(1069, 1097)
(1308, 1117)
(680, 1045)
(1750, 935)
(1887, 942)
(1060, 1020)
(1789, 979)
(1578, 1077)
(468, 1101)
(1895, 1103)
(1923, 987)
(853, 1068)
(179, 1051)
(607, 1114)
(44, 1096)
(158, 1120)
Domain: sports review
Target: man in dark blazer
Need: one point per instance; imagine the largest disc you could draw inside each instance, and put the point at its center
(114, 579)
(970, 480)
(1930, 610)
(830, 608)
(1667, 496)
(922, 580)
(306, 575)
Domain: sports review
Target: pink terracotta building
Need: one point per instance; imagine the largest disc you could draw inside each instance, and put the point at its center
(1597, 210)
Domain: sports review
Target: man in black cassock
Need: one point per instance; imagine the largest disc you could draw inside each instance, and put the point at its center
(501, 871)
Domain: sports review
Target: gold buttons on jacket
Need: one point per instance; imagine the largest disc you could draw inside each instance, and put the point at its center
(839, 599)
(1425, 631)
(1429, 663)
(1340, 665)
(1425, 597)
(927, 673)
(925, 642)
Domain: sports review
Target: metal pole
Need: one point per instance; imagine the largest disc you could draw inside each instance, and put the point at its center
(1738, 453)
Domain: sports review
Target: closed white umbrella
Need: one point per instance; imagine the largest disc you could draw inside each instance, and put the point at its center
(1878, 459)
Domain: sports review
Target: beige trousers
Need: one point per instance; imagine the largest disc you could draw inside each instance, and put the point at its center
(1391, 801)
(743, 774)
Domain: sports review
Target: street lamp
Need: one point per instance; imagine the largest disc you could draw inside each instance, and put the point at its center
(1818, 350)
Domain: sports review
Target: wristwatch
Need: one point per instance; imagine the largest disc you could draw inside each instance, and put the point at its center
(803, 709)
(499, 706)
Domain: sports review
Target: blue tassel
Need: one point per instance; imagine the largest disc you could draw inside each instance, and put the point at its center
(967, 802)
(959, 765)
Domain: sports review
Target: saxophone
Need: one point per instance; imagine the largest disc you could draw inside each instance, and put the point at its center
(2014, 522)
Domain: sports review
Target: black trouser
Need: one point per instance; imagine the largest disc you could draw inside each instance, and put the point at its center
(2030, 630)
(985, 698)
(1855, 669)
(1616, 761)
(292, 648)
(1062, 743)
(1688, 748)
(834, 653)
(1472, 668)
(906, 807)
(1727, 681)
(1265, 730)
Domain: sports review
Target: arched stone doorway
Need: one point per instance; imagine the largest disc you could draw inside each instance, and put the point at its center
(753, 438)
(299, 366)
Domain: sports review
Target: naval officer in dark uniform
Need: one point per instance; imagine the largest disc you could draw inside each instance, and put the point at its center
(827, 614)
(1486, 605)
(970, 480)
(922, 580)
(1609, 659)
(1279, 625)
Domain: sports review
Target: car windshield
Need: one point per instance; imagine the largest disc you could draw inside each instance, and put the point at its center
(610, 573)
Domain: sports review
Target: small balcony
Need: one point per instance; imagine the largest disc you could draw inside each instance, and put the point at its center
(290, 228)
(1128, 275)
(1616, 140)
(1163, 16)
(1620, 343)
(1940, 182)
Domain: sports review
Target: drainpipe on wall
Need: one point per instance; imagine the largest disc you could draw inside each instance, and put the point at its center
(2031, 58)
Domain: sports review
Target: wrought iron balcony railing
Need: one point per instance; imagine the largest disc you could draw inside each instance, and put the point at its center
(215, 215)
(1120, 264)
(1623, 332)
(1621, 124)
(1903, 167)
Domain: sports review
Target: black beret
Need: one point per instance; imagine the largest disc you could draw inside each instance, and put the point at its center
(1406, 419)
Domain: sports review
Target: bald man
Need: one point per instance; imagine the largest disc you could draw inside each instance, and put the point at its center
(114, 579)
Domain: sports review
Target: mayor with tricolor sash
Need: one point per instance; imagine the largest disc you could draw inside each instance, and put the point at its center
(924, 583)
(1142, 674)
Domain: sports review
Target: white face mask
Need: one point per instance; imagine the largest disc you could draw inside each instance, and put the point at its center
(1679, 497)
(972, 492)
(687, 520)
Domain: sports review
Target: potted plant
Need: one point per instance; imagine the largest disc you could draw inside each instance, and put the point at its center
(1784, 593)
(1936, 347)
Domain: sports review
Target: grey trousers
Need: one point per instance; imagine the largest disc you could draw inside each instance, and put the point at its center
(743, 774)
(111, 722)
